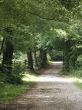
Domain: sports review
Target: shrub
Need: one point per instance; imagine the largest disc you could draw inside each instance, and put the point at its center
(79, 61)
(14, 77)
(17, 73)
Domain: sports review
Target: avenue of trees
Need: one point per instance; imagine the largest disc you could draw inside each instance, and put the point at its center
(36, 28)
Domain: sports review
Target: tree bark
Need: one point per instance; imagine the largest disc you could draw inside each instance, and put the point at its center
(66, 56)
(73, 57)
(7, 56)
(70, 55)
(35, 58)
(2, 45)
(30, 59)
(43, 58)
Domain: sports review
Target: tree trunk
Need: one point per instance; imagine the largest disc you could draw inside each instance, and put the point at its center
(7, 56)
(35, 58)
(73, 57)
(70, 55)
(2, 45)
(43, 58)
(66, 56)
(30, 59)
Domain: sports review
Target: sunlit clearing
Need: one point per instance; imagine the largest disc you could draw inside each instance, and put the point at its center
(29, 77)
(75, 79)
(52, 78)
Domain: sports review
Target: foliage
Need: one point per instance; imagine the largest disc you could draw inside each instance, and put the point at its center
(79, 61)
(41, 26)
(9, 92)
(56, 55)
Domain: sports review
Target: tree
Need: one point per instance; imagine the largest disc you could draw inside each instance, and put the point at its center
(32, 18)
(8, 50)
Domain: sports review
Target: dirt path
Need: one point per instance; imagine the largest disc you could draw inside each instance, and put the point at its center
(52, 92)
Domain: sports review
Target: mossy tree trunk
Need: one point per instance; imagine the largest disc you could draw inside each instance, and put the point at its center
(70, 55)
(7, 56)
(73, 57)
(30, 59)
(43, 58)
(35, 58)
(66, 56)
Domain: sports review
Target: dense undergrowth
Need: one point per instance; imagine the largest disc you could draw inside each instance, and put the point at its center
(75, 74)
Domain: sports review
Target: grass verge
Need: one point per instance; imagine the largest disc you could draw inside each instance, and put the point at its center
(75, 77)
(9, 92)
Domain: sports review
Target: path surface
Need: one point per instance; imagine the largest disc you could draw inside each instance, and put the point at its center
(51, 92)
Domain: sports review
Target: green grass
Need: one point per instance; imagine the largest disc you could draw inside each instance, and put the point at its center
(75, 76)
(9, 92)
(79, 84)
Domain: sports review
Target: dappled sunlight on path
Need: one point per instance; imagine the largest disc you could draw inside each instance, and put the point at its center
(52, 78)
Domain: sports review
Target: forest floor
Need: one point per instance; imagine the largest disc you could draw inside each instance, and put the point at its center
(50, 92)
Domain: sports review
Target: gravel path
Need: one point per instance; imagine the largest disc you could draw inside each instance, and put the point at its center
(51, 92)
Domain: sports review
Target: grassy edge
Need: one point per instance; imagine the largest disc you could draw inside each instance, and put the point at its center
(9, 92)
(74, 77)
(78, 84)
(77, 81)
